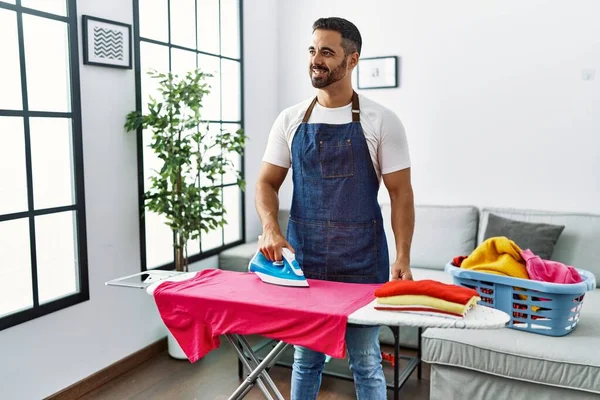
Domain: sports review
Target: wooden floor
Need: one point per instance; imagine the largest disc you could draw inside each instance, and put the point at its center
(215, 378)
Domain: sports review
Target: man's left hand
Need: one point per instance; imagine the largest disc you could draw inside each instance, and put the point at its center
(401, 271)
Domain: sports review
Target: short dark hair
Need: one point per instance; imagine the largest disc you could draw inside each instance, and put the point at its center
(351, 39)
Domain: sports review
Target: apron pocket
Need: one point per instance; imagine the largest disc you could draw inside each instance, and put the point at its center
(351, 249)
(336, 159)
(306, 238)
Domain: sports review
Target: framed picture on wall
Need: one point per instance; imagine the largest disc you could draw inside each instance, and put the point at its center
(106, 43)
(377, 72)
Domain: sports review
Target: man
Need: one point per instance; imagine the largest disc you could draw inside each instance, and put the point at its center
(340, 146)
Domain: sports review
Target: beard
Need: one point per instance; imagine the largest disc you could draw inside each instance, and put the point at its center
(330, 77)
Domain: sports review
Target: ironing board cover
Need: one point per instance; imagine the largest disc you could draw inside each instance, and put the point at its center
(216, 302)
(480, 317)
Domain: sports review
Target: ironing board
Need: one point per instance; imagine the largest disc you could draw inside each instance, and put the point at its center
(480, 317)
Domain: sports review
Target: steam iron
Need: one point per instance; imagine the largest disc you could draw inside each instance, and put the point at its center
(285, 273)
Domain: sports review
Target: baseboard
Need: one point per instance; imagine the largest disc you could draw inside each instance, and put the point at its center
(111, 372)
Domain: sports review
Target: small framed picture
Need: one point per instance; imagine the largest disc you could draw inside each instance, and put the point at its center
(106, 43)
(377, 72)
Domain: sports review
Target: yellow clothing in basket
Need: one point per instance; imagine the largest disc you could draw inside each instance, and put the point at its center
(497, 255)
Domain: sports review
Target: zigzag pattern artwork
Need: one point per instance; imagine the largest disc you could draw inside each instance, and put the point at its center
(108, 43)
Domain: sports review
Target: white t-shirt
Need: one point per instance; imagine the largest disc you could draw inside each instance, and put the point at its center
(383, 132)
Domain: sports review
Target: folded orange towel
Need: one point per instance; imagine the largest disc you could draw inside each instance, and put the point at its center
(497, 255)
(427, 287)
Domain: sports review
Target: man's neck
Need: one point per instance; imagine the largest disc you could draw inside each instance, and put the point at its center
(335, 97)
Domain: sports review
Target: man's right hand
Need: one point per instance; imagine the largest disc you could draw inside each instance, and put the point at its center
(271, 243)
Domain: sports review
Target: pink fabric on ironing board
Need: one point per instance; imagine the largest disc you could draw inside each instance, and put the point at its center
(214, 302)
(549, 271)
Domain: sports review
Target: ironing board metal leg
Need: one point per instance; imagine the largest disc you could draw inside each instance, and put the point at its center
(258, 373)
(419, 367)
(240, 369)
(396, 332)
(255, 360)
(245, 387)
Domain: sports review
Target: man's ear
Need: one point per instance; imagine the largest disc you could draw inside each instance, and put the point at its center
(353, 62)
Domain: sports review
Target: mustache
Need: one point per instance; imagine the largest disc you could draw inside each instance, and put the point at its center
(319, 67)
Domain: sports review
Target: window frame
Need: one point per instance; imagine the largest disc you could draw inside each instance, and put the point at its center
(78, 208)
(137, 40)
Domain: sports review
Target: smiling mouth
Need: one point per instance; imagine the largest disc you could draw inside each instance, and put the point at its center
(319, 72)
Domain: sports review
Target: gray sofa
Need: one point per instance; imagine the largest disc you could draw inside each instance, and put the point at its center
(493, 364)
(506, 363)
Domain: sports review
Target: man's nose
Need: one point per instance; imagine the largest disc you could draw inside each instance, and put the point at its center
(317, 59)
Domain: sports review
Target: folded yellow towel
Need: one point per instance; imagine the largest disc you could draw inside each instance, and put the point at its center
(420, 300)
(497, 255)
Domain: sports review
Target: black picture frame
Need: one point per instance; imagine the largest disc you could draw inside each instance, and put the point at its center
(106, 43)
(378, 72)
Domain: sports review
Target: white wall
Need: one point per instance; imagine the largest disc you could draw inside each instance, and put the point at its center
(43, 356)
(491, 95)
(260, 93)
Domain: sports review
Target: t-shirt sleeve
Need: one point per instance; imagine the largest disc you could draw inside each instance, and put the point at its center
(393, 146)
(277, 151)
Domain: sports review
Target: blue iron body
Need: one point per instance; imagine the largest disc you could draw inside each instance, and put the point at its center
(285, 273)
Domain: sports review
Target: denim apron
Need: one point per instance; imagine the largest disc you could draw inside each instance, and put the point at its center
(335, 225)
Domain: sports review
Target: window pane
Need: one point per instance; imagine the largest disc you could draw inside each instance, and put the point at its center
(152, 56)
(193, 247)
(213, 238)
(52, 158)
(231, 90)
(48, 66)
(232, 202)
(230, 28)
(182, 61)
(156, 57)
(13, 179)
(159, 241)
(211, 104)
(154, 20)
(58, 7)
(209, 132)
(15, 266)
(183, 23)
(230, 176)
(57, 261)
(152, 164)
(208, 26)
(10, 70)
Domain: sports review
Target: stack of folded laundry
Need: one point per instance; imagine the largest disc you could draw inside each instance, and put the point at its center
(426, 297)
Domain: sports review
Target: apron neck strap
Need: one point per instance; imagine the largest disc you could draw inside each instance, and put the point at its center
(355, 109)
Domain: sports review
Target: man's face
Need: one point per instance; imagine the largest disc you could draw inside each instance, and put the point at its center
(327, 62)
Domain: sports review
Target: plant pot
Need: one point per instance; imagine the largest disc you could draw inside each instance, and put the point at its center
(175, 350)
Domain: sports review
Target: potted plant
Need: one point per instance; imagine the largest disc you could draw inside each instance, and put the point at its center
(187, 150)
(186, 147)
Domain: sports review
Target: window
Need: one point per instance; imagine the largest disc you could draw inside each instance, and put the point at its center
(43, 260)
(179, 36)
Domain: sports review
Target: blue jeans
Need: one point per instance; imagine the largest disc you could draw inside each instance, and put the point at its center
(365, 363)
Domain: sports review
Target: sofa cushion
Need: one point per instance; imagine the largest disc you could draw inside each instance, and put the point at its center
(441, 233)
(577, 244)
(539, 237)
(571, 361)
